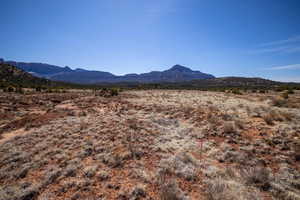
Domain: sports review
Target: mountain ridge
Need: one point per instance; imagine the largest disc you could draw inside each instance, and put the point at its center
(177, 73)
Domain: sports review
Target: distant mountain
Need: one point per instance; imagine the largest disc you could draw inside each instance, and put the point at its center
(84, 77)
(176, 73)
(40, 69)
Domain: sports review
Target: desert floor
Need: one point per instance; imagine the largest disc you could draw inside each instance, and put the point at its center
(154, 144)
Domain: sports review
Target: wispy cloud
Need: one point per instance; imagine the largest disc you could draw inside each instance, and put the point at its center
(284, 67)
(280, 49)
(289, 45)
(282, 42)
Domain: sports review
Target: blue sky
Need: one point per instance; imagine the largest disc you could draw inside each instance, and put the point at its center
(222, 37)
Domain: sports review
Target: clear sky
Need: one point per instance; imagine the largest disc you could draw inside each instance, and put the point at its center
(222, 37)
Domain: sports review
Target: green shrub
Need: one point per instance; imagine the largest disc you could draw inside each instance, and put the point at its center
(114, 92)
(9, 89)
(285, 95)
(290, 91)
(236, 91)
(278, 89)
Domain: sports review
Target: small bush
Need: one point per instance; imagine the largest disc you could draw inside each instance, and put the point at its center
(9, 89)
(290, 91)
(70, 171)
(103, 175)
(278, 101)
(114, 92)
(262, 91)
(171, 191)
(236, 91)
(285, 95)
(229, 127)
(278, 89)
(222, 189)
(90, 171)
(257, 176)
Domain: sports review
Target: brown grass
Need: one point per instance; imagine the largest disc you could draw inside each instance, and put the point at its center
(148, 145)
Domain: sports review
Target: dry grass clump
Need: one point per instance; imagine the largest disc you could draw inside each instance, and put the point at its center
(111, 160)
(182, 165)
(70, 170)
(170, 191)
(224, 189)
(231, 184)
(229, 127)
(275, 115)
(286, 184)
(90, 171)
(103, 175)
(257, 176)
(278, 101)
(19, 192)
(51, 175)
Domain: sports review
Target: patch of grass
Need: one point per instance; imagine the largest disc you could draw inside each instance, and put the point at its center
(170, 191)
(236, 91)
(257, 176)
(278, 101)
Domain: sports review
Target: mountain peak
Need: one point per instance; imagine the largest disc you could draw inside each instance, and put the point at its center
(67, 68)
(180, 68)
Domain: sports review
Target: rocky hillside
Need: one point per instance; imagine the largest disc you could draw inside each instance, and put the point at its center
(11, 75)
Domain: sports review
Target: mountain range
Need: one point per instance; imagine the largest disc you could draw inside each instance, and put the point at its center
(177, 73)
(177, 77)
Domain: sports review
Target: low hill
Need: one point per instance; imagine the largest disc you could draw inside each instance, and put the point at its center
(11, 75)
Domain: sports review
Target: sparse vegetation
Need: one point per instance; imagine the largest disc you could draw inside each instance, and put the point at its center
(236, 91)
(154, 144)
